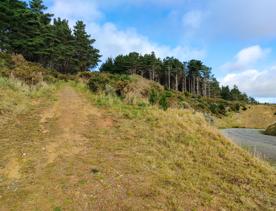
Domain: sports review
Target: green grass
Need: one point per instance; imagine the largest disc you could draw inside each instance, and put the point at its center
(184, 161)
(146, 159)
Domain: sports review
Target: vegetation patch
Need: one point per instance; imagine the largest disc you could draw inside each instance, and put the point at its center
(271, 130)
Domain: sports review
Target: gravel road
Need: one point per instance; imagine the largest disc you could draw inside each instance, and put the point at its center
(254, 140)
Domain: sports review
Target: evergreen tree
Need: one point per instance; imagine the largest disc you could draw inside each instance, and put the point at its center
(85, 55)
(226, 93)
(62, 48)
(108, 66)
(13, 13)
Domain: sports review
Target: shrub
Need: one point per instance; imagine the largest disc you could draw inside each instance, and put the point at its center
(213, 108)
(163, 102)
(153, 97)
(221, 109)
(244, 108)
(98, 82)
(201, 106)
(86, 75)
(6, 60)
(237, 107)
(104, 82)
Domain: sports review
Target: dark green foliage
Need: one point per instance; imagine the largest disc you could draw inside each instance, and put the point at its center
(244, 108)
(85, 55)
(153, 97)
(163, 102)
(237, 107)
(191, 77)
(221, 109)
(6, 60)
(98, 82)
(26, 29)
(226, 93)
(217, 109)
(31, 73)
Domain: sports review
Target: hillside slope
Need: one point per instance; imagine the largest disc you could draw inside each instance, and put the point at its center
(271, 130)
(94, 152)
(256, 116)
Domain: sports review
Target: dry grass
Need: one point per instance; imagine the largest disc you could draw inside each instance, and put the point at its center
(132, 158)
(138, 89)
(256, 116)
(271, 130)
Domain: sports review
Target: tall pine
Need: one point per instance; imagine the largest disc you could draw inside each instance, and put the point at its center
(85, 55)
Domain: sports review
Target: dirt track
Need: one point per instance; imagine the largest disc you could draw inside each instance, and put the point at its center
(47, 155)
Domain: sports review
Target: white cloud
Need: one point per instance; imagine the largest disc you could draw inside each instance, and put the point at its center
(85, 10)
(258, 83)
(246, 58)
(255, 82)
(113, 41)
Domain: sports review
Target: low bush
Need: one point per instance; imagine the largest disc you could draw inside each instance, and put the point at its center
(153, 97)
(16, 67)
(237, 107)
(244, 108)
(6, 60)
(163, 102)
(271, 130)
(107, 83)
(98, 82)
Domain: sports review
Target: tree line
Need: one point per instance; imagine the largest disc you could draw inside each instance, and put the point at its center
(192, 76)
(25, 28)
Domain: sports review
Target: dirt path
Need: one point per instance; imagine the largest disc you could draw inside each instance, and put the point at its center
(71, 112)
(37, 166)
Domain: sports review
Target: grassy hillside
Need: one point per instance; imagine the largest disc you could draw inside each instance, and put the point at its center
(63, 147)
(256, 116)
(134, 89)
(121, 156)
(271, 130)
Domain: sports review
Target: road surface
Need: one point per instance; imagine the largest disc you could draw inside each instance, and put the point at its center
(255, 140)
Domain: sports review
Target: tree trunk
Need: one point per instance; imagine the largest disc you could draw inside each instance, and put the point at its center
(197, 86)
(194, 85)
(183, 83)
(169, 78)
(176, 82)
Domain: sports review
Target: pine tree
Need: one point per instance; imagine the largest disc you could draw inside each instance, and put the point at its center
(108, 66)
(85, 55)
(61, 47)
(13, 13)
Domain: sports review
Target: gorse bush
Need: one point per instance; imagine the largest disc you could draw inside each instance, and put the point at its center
(100, 82)
(31, 73)
(6, 60)
(153, 97)
(237, 107)
(134, 89)
(164, 100)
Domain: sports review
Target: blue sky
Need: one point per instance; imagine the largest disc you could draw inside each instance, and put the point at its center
(237, 38)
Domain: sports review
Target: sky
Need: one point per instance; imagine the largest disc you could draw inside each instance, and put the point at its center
(237, 38)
